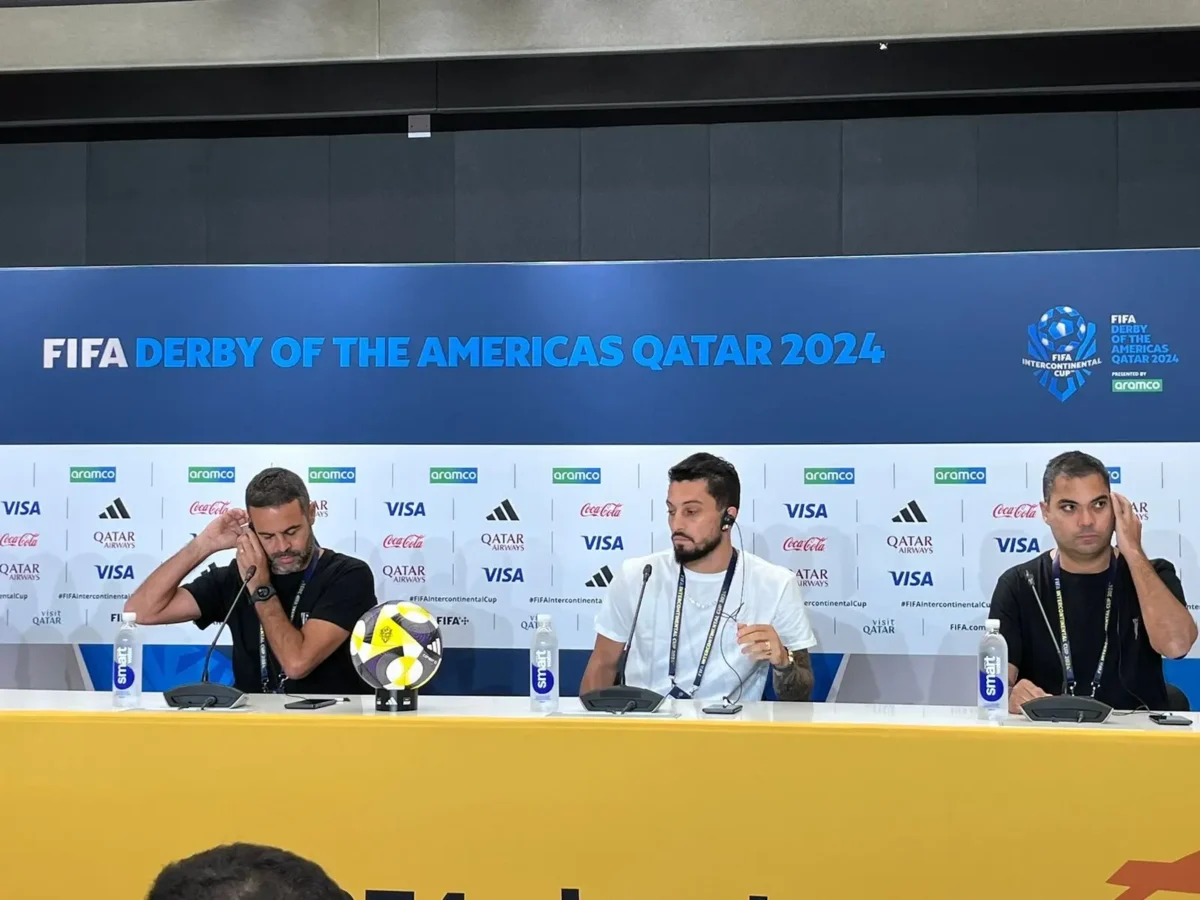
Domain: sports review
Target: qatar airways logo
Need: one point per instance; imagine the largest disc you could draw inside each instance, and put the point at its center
(215, 508)
(1024, 511)
(28, 539)
(404, 542)
(601, 511)
(804, 545)
(405, 574)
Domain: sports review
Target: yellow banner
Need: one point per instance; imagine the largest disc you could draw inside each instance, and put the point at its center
(94, 805)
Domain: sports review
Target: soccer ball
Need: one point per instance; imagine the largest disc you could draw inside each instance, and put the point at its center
(395, 646)
(1062, 329)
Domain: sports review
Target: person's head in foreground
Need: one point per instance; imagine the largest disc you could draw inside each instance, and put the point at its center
(244, 872)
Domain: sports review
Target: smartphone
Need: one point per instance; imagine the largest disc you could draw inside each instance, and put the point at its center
(312, 703)
(1168, 719)
(718, 710)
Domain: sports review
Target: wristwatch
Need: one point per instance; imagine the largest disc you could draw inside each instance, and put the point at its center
(791, 658)
(266, 592)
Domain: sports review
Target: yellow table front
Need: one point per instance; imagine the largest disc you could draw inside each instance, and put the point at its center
(95, 804)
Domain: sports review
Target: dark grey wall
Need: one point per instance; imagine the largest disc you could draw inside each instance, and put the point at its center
(1044, 181)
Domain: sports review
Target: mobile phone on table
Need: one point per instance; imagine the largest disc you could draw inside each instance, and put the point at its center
(309, 703)
(1168, 719)
(719, 710)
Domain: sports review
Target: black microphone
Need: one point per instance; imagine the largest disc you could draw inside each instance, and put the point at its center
(629, 640)
(1057, 649)
(238, 596)
(1064, 707)
(619, 698)
(205, 694)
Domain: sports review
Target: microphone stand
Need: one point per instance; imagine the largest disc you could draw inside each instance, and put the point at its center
(621, 698)
(204, 694)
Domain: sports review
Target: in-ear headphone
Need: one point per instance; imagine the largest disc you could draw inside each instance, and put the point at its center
(727, 521)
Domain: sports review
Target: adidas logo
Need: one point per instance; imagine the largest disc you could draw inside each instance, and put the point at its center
(503, 513)
(116, 510)
(603, 578)
(910, 513)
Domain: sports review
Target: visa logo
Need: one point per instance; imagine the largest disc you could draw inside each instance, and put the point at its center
(111, 572)
(503, 575)
(912, 579)
(21, 507)
(1114, 474)
(405, 508)
(806, 511)
(1018, 545)
(603, 542)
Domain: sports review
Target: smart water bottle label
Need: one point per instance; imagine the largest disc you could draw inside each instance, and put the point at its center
(541, 675)
(123, 676)
(991, 684)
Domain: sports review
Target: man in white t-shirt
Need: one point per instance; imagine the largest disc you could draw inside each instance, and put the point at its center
(703, 595)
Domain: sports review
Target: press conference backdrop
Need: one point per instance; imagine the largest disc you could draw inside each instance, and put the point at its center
(494, 439)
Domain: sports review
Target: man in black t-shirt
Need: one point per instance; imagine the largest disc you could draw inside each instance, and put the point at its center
(1123, 612)
(291, 631)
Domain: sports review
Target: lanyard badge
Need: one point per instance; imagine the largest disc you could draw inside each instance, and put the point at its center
(264, 669)
(1068, 662)
(677, 623)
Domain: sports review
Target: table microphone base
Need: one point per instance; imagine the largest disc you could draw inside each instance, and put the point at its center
(621, 698)
(204, 695)
(395, 700)
(1066, 708)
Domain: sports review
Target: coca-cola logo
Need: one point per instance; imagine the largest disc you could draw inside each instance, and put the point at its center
(602, 511)
(1024, 511)
(28, 539)
(804, 545)
(216, 508)
(404, 542)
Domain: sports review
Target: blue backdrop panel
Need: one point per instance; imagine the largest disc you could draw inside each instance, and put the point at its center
(903, 349)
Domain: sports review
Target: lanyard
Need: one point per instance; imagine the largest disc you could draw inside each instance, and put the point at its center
(677, 622)
(262, 635)
(1062, 627)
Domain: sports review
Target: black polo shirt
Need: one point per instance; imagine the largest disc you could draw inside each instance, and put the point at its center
(341, 590)
(1133, 674)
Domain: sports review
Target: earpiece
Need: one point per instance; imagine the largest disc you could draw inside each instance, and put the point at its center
(726, 521)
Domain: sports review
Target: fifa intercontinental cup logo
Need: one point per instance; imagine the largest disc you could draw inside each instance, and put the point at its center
(1062, 350)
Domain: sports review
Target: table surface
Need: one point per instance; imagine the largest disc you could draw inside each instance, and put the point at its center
(518, 708)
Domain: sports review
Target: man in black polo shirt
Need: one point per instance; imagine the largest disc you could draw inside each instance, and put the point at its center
(1123, 612)
(292, 629)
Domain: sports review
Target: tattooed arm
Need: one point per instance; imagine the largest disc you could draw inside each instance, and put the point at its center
(796, 681)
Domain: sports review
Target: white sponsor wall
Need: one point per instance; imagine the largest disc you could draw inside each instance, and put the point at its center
(897, 547)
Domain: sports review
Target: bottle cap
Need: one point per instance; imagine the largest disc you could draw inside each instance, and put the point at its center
(543, 619)
(993, 624)
(128, 618)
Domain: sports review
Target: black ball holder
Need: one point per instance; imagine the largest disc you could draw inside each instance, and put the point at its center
(395, 700)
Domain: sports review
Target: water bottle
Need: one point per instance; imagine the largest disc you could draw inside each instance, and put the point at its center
(993, 673)
(127, 664)
(543, 667)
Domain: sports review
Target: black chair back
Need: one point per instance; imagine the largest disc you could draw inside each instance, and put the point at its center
(1177, 700)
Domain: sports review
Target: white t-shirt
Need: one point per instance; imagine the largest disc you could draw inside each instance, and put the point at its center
(771, 596)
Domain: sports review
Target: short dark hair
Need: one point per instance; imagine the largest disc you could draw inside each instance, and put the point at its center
(276, 487)
(718, 474)
(244, 872)
(1072, 464)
